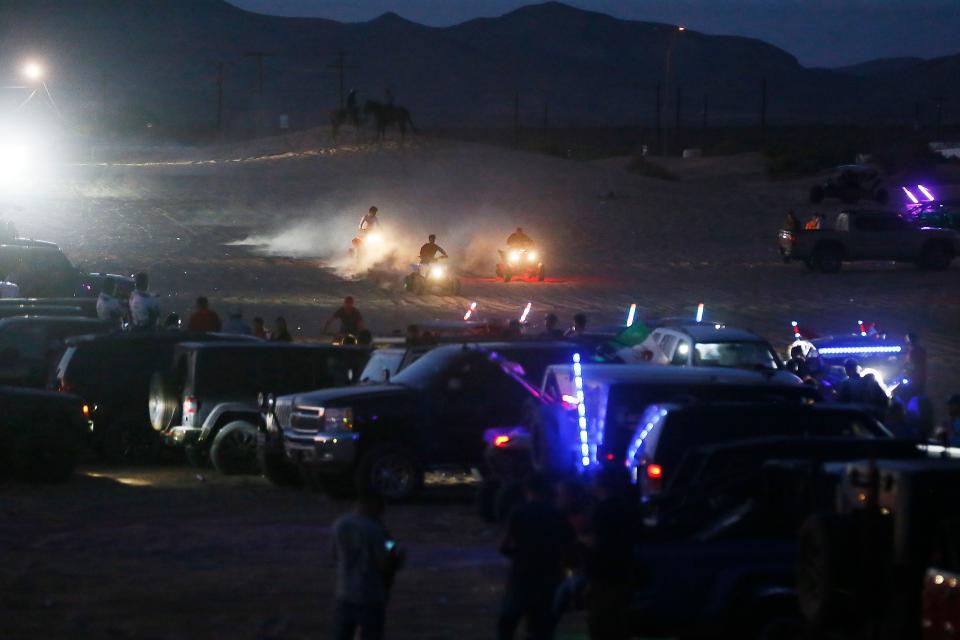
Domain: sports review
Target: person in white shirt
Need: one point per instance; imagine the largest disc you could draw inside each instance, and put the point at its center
(108, 306)
(144, 306)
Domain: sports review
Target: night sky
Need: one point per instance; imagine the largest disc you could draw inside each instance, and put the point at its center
(824, 33)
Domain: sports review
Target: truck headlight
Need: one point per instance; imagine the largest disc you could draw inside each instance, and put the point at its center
(514, 256)
(532, 256)
(338, 419)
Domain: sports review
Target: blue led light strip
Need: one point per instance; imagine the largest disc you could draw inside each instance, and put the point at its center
(828, 351)
(581, 412)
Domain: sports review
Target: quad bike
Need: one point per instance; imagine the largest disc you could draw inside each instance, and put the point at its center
(434, 277)
(367, 245)
(519, 262)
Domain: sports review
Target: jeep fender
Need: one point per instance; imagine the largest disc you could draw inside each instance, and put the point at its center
(227, 412)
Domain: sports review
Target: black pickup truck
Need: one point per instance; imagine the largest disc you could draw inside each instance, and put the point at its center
(40, 434)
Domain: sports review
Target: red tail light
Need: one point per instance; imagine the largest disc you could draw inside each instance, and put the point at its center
(86, 410)
(501, 441)
(189, 406)
(654, 471)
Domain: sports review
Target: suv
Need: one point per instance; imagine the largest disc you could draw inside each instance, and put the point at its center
(431, 414)
(207, 401)
(111, 374)
(851, 183)
(667, 432)
(711, 345)
(871, 235)
(39, 268)
(40, 433)
(31, 345)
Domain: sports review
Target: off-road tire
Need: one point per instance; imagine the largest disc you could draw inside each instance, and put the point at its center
(163, 404)
(127, 440)
(197, 457)
(392, 471)
(234, 449)
(828, 258)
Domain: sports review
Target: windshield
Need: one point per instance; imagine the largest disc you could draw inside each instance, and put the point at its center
(427, 370)
(736, 355)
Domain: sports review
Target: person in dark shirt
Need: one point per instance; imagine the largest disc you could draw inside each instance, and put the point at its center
(550, 329)
(429, 251)
(797, 364)
(351, 321)
(280, 332)
(537, 541)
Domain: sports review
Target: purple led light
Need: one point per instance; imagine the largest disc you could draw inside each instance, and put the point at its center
(926, 193)
(910, 195)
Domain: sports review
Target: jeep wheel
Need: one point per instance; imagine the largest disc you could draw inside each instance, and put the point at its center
(164, 401)
(828, 259)
(196, 456)
(392, 472)
(234, 450)
(935, 257)
(129, 441)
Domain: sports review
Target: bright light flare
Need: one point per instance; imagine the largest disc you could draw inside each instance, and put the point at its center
(501, 441)
(700, 312)
(514, 257)
(926, 193)
(33, 71)
(632, 314)
(374, 238)
(531, 256)
(910, 195)
(437, 272)
(469, 313)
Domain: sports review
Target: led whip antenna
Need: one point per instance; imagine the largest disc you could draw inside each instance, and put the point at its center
(863, 330)
(473, 307)
(526, 312)
(632, 314)
(926, 193)
(581, 412)
(796, 329)
(910, 195)
(700, 312)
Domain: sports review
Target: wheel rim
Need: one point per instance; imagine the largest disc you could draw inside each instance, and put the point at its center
(392, 476)
(238, 448)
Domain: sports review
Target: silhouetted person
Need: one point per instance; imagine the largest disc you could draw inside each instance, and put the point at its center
(259, 330)
(519, 240)
(537, 540)
(204, 318)
(797, 364)
(144, 306)
(550, 329)
(792, 223)
(429, 251)
(367, 561)
(863, 390)
(108, 305)
(579, 325)
(351, 320)
(280, 332)
(236, 325)
(172, 322)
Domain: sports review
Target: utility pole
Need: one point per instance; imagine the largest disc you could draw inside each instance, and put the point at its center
(516, 118)
(219, 95)
(763, 109)
(259, 55)
(340, 66)
(706, 110)
(659, 123)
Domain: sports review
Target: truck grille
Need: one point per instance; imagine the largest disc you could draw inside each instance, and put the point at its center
(283, 410)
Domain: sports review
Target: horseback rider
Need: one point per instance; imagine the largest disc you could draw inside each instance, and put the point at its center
(369, 222)
(429, 251)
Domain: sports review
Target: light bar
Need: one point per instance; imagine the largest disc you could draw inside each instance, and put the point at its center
(700, 312)
(581, 412)
(926, 193)
(837, 351)
(632, 314)
(473, 307)
(526, 312)
(910, 195)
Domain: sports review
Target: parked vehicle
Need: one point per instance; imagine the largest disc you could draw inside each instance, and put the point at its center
(871, 235)
(207, 402)
(40, 434)
(710, 345)
(30, 346)
(111, 374)
(943, 214)
(666, 432)
(431, 415)
(86, 307)
(851, 183)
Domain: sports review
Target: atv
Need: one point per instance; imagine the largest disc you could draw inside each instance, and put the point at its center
(852, 183)
(519, 262)
(434, 277)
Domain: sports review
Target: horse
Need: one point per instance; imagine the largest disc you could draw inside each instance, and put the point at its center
(386, 115)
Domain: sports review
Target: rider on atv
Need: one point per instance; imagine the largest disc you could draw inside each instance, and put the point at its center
(520, 258)
(369, 222)
(429, 251)
(519, 240)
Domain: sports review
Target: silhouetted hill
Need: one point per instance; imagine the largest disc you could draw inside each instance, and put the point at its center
(158, 59)
(878, 67)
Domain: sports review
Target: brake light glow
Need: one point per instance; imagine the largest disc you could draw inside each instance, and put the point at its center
(86, 410)
(654, 471)
(501, 441)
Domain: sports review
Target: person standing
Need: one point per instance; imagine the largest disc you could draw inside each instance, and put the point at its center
(236, 325)
(280, 332)
(579, 326)
(537, 541)
(259, 330)
(108, 306)
(367, 561)
(550, 329)
(351, 320)
(144, 306)
(204, 319)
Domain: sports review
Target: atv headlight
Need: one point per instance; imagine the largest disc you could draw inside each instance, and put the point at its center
(437, 272)
(514, 256)
(338, 419)
(532, 256)
(374, 237)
